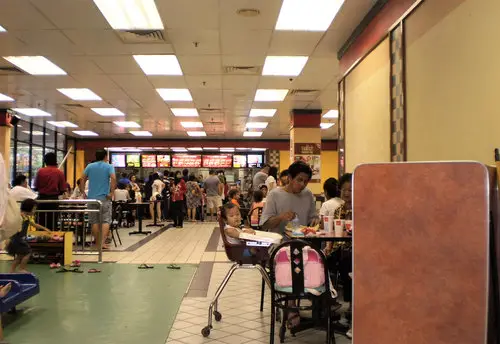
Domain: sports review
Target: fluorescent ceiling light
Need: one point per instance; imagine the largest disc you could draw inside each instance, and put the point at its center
(310, 15)
(196, 133)
(210, 148)
(252, 133)
(284, 65)
(34, 132)
(270, 95)
(85, 133)
(258, 149)
(4, 98)
(227, 150)
(184, 112)
(140, 133)
(130, 14)
(177, 149)
(62, 124)
(79, 93)
(2, 29)
(127, 124)
(331, 114)
(242, 149)
(262, 112)
(191, 125)
(257, 125)
(195, 149)
(108, 112)
(326, 125)
(124, 149)
(159, 64)
(175, 94)
(32, 112)
(35, 65)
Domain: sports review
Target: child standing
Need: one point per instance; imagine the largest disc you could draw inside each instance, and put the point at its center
(18, 247)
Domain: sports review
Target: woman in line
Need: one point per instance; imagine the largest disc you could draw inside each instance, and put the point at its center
(178, 194)
(157, 187)
(193, 197)
(271, 182)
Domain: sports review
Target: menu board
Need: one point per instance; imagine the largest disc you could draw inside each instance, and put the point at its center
(133, 160)
(163, 160)
(218, 161)
(185, 160)
(254, 160)
(239, 161)
(148, 160)
(118, 160)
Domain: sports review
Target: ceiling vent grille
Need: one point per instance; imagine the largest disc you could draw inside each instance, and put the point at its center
(10, 71)
(142, 36)
(73, 105)
(211, 110)
(242, 70)
(304, 92)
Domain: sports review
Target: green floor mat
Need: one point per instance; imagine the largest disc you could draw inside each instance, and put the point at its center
(122, 304)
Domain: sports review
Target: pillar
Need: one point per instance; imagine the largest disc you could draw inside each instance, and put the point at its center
(305, 143)
(5, 132)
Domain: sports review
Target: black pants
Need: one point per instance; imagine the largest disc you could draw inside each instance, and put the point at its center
(178, 213)
(48, 219)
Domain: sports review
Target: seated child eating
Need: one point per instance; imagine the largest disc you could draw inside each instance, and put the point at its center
(232, 218)
(17, 246)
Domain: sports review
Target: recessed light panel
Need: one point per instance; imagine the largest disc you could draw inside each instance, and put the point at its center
(4, 98)
(256, 125)
(35, 65)
(127, 124)
(85, 133)
(62, 124)
(80, 94)
(140, 133)
(252, 133)
(331, 114)
(309, 15)
(263, 95)
(175, 94)
(191, 125)
(284, 65)
(184, 112)
(195, 149)
(108, 112)
(159, 64)
(326, 125)
(2, 29)
(32, 112)
(130, 14)
(262, 112)
(196, 133)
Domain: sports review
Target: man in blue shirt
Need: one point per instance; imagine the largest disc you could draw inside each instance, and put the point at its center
(102, 184)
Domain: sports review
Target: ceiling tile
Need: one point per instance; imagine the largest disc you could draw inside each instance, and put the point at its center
(11, 46)
(189, 14)
(285, 43)
(204, 81)
(195, 42)
(234, 82)
(198, 65)
(95, 81)
(45, 42)
(230, 20)
(241, 42)
(168, 81)
(117, 64)
(74, 14)
(243, 60)
(22, 15)
(75, 64)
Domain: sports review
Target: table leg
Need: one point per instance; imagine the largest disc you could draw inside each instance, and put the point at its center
(139, 218)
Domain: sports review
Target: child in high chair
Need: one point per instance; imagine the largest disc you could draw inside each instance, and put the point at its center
(232, 218)
(18, 247)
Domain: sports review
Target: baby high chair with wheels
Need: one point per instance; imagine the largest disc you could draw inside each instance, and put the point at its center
(250, 254)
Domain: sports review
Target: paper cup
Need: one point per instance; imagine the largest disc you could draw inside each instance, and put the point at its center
(348, 225)
(328, 223)
(339, 226)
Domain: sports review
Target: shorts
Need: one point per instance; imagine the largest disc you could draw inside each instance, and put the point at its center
(106, 213)
(214, 202)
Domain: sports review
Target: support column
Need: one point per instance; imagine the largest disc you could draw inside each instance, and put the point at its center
(305, 143)
(5, 132)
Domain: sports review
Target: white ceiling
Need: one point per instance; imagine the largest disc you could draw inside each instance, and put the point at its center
(75, 36)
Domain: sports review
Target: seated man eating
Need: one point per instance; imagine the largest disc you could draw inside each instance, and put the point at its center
(291, 202)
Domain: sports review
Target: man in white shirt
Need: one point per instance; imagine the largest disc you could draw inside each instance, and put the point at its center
(21, 191)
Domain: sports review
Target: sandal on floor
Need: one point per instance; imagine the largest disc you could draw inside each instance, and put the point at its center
(145, 266)
(93, 271)
(173, 267)
(293, 321)
(64, 269)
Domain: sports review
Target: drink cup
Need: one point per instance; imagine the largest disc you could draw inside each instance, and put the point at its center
(348, 225)
(328, 222)
(339, 227)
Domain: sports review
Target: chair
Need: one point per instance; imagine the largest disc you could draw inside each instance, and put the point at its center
(281, 297)
(24, 286)
(117, 217)
(259, 215)
(237, 253)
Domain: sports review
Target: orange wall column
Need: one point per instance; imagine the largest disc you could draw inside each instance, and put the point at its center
(305, 143)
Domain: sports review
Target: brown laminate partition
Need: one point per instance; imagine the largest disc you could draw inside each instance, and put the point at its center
(421, 248)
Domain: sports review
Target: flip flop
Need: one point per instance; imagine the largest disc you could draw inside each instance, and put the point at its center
(145, 266)
(173, 267)
(64, 269)
(93, 271)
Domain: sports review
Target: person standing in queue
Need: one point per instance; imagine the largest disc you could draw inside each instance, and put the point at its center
(260, 177)
(102, 185)
(292, 201)
(50, 183)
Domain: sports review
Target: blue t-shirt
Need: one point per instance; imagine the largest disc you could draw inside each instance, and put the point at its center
(99, 174)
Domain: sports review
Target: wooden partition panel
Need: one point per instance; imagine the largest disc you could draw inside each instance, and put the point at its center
(421, 253)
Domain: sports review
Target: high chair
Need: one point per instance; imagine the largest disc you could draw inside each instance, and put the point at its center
(236, 253)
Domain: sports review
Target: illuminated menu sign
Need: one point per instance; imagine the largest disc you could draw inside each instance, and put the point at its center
(218, 161)
(148, 160)
(239, 161)
(163, 160)
(185, 160)
(118, 160)
(254, 160)
(133, 160)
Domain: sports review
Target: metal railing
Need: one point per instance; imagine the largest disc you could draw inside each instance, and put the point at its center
(70, 215)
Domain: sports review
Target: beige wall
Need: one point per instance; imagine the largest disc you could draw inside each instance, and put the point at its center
(452, 80)
(367, 110)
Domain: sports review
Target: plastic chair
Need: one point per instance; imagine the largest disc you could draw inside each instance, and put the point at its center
(280, 299)
(238, 254)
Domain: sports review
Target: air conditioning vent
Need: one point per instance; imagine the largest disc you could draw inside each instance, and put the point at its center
(73, 105)
(104, 122)
(242, 70)
(211, 110)
(142, 36)
(304, 92)
(10, 71)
